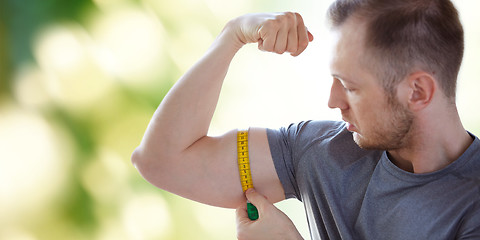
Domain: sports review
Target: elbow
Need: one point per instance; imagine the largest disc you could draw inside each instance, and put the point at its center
(140, 161)
(136, 157)
(150, 166)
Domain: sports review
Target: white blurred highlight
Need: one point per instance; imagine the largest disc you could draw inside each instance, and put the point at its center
(130, 43)
(33, 164)
(146, 216)
(65, 54)
(105, 177)
(30, 87)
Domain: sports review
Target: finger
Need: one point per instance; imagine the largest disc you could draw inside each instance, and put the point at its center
(302, 33)
(281, 41)
(241, 214)
(268, 36)
(287, 22)
(304, 39)
(292, 41)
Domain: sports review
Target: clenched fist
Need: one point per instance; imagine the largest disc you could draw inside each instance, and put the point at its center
(274, 32)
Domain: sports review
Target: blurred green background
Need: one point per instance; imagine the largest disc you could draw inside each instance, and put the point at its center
(80, 79)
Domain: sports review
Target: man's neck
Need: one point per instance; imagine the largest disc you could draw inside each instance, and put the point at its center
(432, 146)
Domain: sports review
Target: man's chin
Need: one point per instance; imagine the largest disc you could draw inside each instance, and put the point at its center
(358, 139)
(364, 143)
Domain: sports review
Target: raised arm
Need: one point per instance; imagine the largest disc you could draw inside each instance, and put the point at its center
(177, 155)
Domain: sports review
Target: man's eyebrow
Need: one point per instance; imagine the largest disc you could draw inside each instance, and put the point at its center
(343, 79)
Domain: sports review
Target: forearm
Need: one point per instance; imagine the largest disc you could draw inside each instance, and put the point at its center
(185, 114)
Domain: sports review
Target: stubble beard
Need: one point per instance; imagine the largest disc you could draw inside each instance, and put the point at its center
(390, 133)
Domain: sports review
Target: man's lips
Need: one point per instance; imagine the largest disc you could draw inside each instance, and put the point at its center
(350, 126)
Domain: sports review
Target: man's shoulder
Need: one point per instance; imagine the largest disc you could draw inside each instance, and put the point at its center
(327, 139)
(317, 128)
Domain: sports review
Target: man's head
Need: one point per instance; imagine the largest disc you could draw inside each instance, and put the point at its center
(390, 58)
(407, 35)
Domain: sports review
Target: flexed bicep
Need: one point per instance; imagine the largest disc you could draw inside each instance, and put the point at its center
(208, 171)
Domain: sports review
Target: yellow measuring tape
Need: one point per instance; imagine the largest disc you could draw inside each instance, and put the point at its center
(244, 169)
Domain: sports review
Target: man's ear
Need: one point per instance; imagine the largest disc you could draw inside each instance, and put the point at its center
(422, 88)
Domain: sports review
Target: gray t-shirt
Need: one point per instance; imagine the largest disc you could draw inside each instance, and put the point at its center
(352, 193)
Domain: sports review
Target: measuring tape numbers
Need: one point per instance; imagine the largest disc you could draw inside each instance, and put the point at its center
(244, 170)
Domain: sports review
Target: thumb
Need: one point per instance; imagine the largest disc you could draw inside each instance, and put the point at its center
(310, 36)
(257, 199)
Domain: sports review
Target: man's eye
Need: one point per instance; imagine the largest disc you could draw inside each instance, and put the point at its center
(348, 89)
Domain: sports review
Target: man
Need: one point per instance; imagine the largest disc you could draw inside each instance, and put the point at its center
(400, 166)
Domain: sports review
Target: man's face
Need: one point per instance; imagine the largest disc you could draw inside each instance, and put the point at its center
(376, 121)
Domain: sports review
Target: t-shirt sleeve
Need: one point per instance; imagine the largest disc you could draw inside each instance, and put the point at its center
(281, 143)
(287, 146)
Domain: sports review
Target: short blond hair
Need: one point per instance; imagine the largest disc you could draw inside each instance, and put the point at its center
(407, 35)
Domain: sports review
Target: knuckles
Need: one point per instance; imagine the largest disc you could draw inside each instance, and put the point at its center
(287, 19)
(280, 33)
(271, 24)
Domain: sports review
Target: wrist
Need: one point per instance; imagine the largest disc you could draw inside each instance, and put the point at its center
(226, 43)
(232, 33)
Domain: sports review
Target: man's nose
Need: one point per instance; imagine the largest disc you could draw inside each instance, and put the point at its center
(337, 96)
